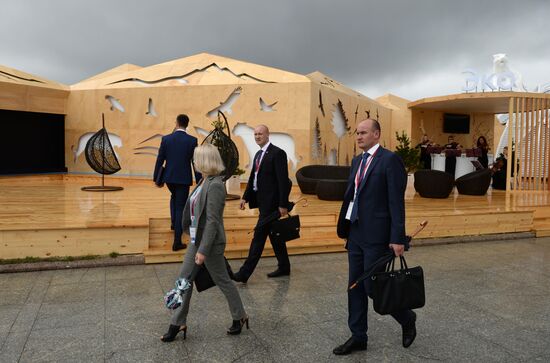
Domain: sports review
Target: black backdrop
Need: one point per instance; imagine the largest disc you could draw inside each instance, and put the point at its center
(31, 142)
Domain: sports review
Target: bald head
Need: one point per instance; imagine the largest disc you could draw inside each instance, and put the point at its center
(261, 135)
(368, 134)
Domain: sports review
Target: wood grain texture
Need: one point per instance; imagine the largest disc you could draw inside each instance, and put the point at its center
(50, 216)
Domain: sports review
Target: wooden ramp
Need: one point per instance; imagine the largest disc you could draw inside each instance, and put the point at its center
(45, 216)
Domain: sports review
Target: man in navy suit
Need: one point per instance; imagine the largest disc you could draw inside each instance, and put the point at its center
(177, 150)
(267, 189)
(374, 204)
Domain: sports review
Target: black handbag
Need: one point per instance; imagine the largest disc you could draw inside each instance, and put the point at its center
(285, 229)
(203, 280)
(394, 290)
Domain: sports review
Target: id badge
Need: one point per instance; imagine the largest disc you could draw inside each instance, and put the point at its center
(348, 212)
(193, 234)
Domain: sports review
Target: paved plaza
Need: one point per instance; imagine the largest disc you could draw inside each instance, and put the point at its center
(485, 302)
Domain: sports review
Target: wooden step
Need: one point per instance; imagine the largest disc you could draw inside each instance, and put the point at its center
(240, 250)
(318, 232)
(542, 232)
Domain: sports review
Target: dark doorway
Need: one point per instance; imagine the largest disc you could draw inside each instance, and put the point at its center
(31, 142)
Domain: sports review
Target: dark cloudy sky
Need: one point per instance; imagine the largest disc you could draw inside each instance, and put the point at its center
(413, 49)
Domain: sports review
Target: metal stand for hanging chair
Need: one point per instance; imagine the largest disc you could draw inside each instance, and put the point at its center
(102, 158)
(228, 151)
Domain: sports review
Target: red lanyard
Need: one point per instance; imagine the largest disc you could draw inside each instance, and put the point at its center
(258, 160)
(358, 177)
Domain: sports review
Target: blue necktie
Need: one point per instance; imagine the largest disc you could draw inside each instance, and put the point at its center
(354, 212)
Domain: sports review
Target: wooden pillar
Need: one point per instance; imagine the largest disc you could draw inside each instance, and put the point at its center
(510, 130)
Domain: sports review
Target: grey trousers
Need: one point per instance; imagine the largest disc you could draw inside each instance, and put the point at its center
(215, 264)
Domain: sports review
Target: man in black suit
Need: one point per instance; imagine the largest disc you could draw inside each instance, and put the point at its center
(374, 204)
(177, 150)
(267, 190)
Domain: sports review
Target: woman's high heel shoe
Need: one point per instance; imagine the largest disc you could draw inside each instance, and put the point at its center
(173, 330)
(237, 326)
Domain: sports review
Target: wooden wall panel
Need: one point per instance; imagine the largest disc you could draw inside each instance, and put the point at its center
(291, 116)
(400, 117)
(19, 97)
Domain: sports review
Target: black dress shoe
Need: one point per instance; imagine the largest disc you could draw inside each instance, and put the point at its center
(173, 330)
(349, 346)
(178, 246)
(409, 332)
(238, 276)
(278, 272)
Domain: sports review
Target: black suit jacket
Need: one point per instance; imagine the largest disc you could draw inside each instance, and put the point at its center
(381, 197)
(273, 182)
(177, 150)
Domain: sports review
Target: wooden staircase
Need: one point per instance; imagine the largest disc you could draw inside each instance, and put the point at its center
(317, 235)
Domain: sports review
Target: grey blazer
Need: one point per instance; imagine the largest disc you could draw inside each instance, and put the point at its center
(209, 211)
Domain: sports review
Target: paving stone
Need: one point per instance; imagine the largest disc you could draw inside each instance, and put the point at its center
(13, 346)
(485, 302)
(79, 292)
(70, 314)
(65, 344)
(26, 318)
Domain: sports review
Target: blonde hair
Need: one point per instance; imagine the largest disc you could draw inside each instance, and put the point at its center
(207, 160)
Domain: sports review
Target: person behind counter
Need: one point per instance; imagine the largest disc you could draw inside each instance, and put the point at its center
(425, 157)
(450, 161)
(482, 144)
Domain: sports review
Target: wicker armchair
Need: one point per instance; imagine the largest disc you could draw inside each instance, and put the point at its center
(433, 183)
(474, 183)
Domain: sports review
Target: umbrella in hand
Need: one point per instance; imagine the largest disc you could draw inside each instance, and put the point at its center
(388, 257)
(174, 298)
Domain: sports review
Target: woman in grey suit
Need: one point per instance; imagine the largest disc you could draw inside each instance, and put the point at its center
(203, 221)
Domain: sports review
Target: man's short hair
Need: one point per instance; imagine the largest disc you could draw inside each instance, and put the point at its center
(183, 120)
(376, 125)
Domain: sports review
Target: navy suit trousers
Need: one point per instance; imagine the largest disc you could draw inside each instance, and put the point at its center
(257, 247)
(178, 198)
(361, 257)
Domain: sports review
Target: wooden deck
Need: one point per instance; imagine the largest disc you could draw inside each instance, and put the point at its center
(50, 216)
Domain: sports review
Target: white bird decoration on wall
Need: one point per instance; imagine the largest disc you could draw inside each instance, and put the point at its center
(115, 140)
(265, 107)
(151, 108)
(114, 103)
(226, 106)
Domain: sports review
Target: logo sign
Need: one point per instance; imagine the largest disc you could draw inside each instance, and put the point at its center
(503, 81)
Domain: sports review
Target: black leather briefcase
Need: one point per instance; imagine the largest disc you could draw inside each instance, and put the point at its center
(285, 229)
(158, 177)
(394, 290)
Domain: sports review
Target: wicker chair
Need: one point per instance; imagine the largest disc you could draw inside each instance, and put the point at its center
(433, 183)
(331, 189)
(308, 176)
(474, 183)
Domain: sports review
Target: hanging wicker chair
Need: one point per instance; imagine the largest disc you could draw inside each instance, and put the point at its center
(101, 157)
(227, 148)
